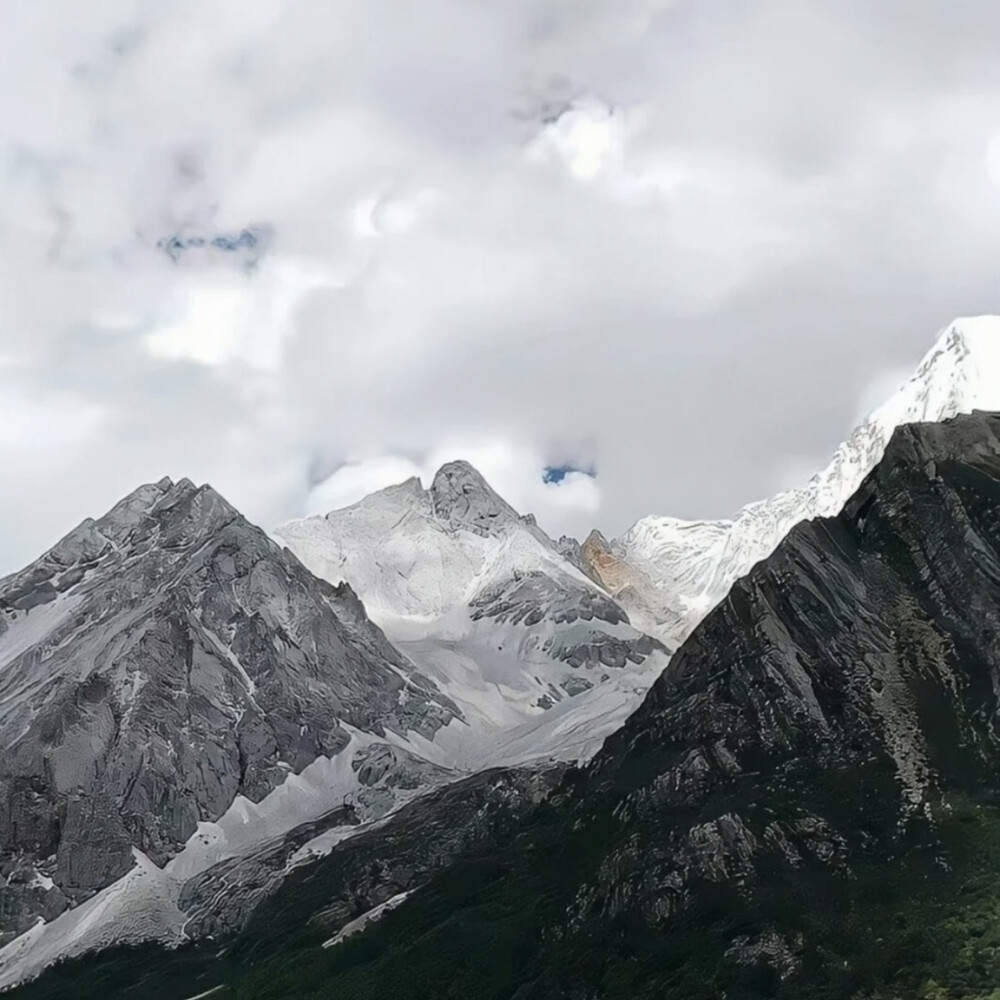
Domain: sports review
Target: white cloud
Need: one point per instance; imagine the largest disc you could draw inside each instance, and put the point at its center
(228, 317)
(43, 429)
(686, 234)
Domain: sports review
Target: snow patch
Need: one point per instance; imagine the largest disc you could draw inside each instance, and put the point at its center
(140, 906)
(28, 629)
(360, 923)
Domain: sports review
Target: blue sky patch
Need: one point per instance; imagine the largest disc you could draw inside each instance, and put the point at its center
(557, 473)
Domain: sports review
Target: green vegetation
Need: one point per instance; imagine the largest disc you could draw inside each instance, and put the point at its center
(485, 929)
(905, 931)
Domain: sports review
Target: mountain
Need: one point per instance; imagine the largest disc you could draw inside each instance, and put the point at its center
(538, 657)
(668, 573)
(189, 713)
(805, 804)
(174, 687)
(210, 736)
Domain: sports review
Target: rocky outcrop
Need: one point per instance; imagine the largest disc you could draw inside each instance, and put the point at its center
(461, 497)
(605, 638)
(573, 552)
(158, 662)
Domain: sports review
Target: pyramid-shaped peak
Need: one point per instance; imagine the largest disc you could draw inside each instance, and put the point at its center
(200, 509)
(973, 341)
(162, 517)
(961, 372)
(974, 332)
(462, 497)
(144, 498)
(460, 478)
(460, 471)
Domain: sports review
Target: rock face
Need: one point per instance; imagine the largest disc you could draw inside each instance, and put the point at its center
(156, 664)
(461, 498)
(669, 573)
(846, 684)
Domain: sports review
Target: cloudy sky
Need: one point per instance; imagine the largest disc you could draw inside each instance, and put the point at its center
(302, 249)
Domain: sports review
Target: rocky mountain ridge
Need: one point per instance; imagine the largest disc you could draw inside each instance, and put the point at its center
(827, 733)
(668, 573)
(486, 604)
(182, 696)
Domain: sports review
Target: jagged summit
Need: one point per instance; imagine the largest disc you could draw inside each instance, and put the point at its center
(459, 499)
(680, 569)
(416, 553)
(162, 513)
(463, 474)
(462, 498)
(506, 621)
(160, 663)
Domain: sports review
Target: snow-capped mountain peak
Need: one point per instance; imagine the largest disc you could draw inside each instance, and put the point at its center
(669, 572)
(486, 604)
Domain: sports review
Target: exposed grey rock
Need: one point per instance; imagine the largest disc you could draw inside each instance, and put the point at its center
(462, 498)
(94, 846)
(26, 894)
(604, 637)
(383, 771)
(161, 660)
(768, 948)
(576, 685)
(535, 593)
(846, 682)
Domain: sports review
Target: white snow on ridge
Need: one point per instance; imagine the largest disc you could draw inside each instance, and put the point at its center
(422, 560)
(686, 567)
(27, 628)
(360, 923)
(143, 904)
(140, 906)
(410, 566)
